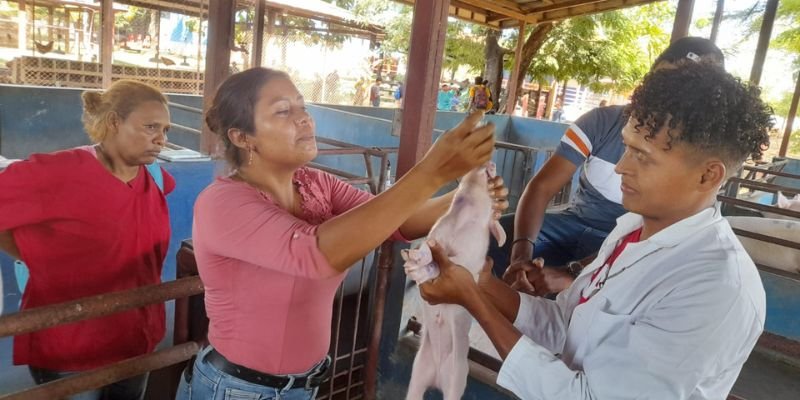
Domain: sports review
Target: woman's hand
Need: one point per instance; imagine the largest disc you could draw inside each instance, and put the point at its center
(499, 193)
(459, 150)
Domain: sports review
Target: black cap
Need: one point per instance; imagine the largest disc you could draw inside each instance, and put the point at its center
(690, 47)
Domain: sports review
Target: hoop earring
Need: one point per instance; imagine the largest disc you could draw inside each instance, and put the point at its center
(250, 156)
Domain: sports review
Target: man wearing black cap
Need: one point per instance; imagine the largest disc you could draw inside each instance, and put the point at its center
(564, 238)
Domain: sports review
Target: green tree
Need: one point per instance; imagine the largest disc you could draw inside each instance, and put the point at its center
(607, 51)
(788, 40)
(134, 20)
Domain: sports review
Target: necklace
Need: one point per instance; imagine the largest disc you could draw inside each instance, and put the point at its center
(601, 281)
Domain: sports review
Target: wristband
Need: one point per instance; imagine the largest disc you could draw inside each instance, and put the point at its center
(521, 239)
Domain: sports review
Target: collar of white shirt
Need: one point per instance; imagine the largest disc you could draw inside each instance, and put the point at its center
(668, 237)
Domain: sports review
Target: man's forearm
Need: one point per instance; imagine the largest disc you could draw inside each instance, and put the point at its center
(498, 328)
(503, 298)
(528, 222)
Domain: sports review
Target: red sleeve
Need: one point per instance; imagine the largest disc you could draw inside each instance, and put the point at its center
(22, 188)
(233, 221)
(169, 182)
(345, 197)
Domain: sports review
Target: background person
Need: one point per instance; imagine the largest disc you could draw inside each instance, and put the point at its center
(88, 221)
(569, 238)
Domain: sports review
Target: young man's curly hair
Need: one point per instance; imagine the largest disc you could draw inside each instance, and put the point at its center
(706, 107)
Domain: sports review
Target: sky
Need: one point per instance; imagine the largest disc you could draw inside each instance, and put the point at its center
(776, 77)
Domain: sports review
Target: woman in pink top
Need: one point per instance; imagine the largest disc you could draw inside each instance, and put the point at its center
(274, 239)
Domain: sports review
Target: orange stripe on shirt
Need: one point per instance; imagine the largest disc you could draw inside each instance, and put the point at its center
(578, 142)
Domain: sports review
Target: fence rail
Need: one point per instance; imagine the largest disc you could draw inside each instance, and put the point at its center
(96, 306)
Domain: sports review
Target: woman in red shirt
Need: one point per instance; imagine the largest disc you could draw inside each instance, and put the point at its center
(92, 220)
(274, 239)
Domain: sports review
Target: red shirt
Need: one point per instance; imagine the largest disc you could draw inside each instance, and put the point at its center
(632, 237)
(83, 232)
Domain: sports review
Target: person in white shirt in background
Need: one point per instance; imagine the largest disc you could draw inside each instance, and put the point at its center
(672, 306)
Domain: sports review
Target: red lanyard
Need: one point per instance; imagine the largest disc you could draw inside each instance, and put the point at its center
(632, 237)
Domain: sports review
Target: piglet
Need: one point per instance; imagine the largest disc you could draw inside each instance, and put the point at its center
(765, 253)
(463, 232)
(785, 203)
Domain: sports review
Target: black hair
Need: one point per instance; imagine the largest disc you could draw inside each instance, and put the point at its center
(705, 107)
(686, 48)
(233, 106)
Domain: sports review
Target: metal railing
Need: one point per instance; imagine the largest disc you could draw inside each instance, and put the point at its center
(517, 164)
(375, 182)
(95, 307)
(758, 179)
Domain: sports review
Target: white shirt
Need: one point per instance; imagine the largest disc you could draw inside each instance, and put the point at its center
(676, 319)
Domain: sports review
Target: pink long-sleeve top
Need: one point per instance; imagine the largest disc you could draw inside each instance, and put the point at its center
(268, 289)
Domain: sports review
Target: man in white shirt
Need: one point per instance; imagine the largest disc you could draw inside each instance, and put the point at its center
(672, 305)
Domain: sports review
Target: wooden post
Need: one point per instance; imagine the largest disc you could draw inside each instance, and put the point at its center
(683, 18)
(70, 31)
(81, 33)
(790, 119)
(717, 20)
(107, 48)
(428, 31)
(22, 26)
(763, 41)
(157, 40)
(270, 22)
(218, 59)
(50, 23)
(511, 86)
(258, 43)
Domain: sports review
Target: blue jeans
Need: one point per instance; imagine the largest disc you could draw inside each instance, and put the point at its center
(209, 383)
(563, 238)
(128, 389)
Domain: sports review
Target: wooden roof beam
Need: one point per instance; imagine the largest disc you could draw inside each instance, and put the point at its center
(478, 16)
(185, 9)
(504, 7)
(303, 13)
(586, 9)
(561, 6)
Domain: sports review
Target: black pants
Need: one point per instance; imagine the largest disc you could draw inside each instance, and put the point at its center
(128, 389)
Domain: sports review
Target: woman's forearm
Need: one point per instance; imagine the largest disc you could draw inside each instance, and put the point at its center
(421, 222)
(348, 237)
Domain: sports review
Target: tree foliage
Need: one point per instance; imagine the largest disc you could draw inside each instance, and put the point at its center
(607, 51)
(789, 39)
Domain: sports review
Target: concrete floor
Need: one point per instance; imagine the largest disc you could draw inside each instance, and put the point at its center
(766, 378)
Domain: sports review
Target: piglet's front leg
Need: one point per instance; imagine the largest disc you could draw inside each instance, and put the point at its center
(419, 264)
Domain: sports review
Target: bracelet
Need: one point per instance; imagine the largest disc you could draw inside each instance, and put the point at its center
(574, 268)
(521, 239)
